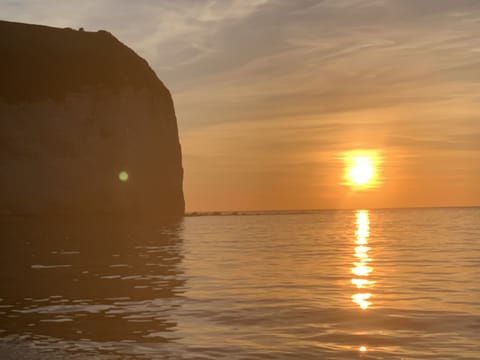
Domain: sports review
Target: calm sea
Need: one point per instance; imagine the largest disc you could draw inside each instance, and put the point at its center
(377, 284)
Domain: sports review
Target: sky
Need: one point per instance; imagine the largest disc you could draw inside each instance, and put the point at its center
(271, 94)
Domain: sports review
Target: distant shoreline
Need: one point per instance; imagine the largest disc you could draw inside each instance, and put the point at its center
(311, 211)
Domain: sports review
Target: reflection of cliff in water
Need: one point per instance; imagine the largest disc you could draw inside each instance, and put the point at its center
(101, 280)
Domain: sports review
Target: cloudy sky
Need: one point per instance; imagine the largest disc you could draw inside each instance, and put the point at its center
(270, 93)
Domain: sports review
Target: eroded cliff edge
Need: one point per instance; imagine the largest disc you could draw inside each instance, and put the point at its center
(77, 109)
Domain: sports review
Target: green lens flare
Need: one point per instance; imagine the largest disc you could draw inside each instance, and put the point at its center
(123, 176)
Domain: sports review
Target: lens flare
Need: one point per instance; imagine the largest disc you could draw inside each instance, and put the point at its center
(123, 176)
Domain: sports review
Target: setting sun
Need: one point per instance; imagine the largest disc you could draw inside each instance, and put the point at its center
(361, 169)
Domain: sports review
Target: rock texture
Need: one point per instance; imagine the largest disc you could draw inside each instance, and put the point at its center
(77, 109)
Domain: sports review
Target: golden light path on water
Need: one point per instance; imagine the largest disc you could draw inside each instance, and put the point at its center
(362, 268)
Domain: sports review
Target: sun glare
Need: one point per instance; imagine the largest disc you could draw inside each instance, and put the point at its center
(361, 169)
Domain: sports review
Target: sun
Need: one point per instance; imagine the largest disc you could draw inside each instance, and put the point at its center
(361, 169)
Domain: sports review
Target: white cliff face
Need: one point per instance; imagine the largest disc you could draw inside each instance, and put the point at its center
(86, 127)
(73, 156)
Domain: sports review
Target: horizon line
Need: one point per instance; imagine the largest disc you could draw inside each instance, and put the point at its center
(227, 212)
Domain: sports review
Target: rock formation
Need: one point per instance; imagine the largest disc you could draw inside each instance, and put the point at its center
(85, 127)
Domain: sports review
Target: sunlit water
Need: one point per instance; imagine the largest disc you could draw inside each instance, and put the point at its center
(378, 284)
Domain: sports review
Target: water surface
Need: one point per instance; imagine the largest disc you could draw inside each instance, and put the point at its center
(377, 284)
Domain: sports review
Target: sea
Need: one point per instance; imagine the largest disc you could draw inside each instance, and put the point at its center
(346, 284)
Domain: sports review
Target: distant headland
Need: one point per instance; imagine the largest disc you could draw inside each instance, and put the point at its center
(86, 127)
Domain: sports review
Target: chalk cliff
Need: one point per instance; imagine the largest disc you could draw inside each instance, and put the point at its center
(85, 127)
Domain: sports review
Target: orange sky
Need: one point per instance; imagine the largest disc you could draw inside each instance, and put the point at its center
(269, 94)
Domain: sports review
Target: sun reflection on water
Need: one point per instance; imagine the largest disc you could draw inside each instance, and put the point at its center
(362, 268)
